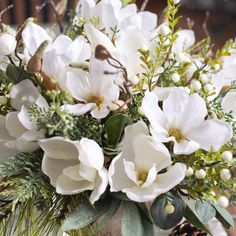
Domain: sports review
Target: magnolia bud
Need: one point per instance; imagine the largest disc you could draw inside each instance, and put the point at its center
(227, 156)
(204, 78)
(102, 53)
(222, 201)
(169, 209)
(200, 174)
(225, 174)
(80, 65)
(7, 44)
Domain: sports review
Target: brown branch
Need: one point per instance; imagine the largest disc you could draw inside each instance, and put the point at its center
(204, 25)
(58, 18)
(1, 13)
(144, 5)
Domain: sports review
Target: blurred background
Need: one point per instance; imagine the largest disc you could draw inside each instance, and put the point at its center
(221, 23)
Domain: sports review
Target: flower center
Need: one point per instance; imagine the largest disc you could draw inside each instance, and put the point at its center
(97, 100)
(143, 176)
(177, 134)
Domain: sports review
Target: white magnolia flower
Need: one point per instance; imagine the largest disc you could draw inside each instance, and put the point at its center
(21, 132)
(114, 17)
(182, 121)
(60, 52)
(7, 44)
(135, 171)
(126, 49)
(74, 166)
(94, 90)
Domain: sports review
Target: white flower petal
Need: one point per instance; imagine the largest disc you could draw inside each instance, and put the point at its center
(229, 103)
(212, 134)
(4, 134)
(152, 175)
(78, 109)
(185, 147)
(23, 94)
(91, 153)
(100, 185)
(130, 170)
(60, 148)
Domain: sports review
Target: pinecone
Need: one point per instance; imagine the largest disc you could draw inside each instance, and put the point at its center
(187, 229)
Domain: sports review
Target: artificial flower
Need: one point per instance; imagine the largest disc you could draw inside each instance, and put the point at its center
(74, 166)
(95, 90)
(182, 122)
(135, 171)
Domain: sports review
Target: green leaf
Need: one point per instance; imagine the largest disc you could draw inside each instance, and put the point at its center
(130, 221)
(120, 196)
(110, 213)
(161, 218)
(84, 215)
(205, 211)
(224, 217)
(115, 127)
(194, 220)
(16, 74)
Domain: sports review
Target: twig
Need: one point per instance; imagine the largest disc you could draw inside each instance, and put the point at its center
(144, 5)
(204, 25)
(58, 18)
(2, 12)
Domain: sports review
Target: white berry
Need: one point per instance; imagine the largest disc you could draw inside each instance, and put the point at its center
(3, 100)
(227, 156)
(200, 174)
(196, 85)
(140, 111)
(189, 172)
(176, 1)
(175, 77)
(216, 67)
(222, 201)
(225, 174)
(208, 88)
(169, 209)
(164, 30)
(204, 78)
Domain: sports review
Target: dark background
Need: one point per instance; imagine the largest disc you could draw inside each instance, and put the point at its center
(221, 25)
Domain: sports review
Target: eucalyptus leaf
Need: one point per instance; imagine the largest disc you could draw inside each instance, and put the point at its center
(131, 221)
(148, 227)
(224, 217)
(205, 211)
(115, 203)
(16, 74)
(115, 127)
(161, 218)
(194, 220)
(84, 215)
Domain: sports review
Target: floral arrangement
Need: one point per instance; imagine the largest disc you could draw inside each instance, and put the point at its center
(118, 111)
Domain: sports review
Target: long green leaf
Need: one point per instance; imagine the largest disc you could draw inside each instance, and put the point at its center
(131, 224)
(84, 214)
(205, 211)
(224, 217)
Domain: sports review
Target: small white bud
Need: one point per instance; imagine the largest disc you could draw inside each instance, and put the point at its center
(227, 156)
(204, 78)
(175, 77)
(166, 42)
(189, 172)
(3, 100)
(164, 30)
(216, 67)
(176, 1)
(182, 57)
(7, 44)
(160, 70)
(208, 88)
(169, 209)
(144, 48)
(200, 174)
(187, 90)
(140, 111)
(196, 85)
(222, 201)
(225, 174)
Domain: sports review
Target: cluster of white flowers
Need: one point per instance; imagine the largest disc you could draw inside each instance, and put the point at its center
(102, 70)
